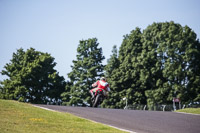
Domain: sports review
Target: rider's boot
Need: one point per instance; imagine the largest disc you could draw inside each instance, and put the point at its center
(92, 94)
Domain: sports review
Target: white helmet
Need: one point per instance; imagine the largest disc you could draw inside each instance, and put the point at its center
(103, 78)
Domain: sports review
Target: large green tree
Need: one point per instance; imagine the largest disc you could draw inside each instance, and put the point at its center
(126, 77)
(174, 52)
(85, 71)
(112, 65)
(156, 65)
(32, 78)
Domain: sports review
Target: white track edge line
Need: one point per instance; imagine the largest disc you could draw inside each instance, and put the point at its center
(187, 113)
(88, 119)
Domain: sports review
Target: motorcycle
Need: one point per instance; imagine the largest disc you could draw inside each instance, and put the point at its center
(98, 98)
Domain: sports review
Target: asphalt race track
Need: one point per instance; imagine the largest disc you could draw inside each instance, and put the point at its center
(135, 120)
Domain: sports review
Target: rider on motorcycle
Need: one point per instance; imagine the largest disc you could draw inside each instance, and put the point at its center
(100, 84)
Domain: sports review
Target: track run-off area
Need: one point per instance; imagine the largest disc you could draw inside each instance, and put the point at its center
(136, 120)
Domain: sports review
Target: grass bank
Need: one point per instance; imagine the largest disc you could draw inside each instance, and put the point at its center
(18, 117)
(190, 110)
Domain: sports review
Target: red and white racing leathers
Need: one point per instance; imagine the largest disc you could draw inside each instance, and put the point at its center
(101, 84)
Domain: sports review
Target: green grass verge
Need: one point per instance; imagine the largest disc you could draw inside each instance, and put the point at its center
(16, 117)
(190, 110)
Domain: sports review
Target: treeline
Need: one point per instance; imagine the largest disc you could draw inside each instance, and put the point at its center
(151, 67)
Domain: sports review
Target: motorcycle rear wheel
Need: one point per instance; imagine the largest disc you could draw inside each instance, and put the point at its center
(96, 102)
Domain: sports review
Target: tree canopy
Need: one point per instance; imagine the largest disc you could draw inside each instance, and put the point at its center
(156, 65)
(175, 52)
(32, 78)
(86, 69)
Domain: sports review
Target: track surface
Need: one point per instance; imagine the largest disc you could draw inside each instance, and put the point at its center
(135, 120)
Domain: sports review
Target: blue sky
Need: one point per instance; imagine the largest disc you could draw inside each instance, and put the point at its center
(57, 26)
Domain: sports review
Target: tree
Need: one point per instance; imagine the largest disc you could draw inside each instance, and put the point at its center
(85, 71)
(112, 65)
(124, 80)
(173, 51)
(112, 62)
(32, 78)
